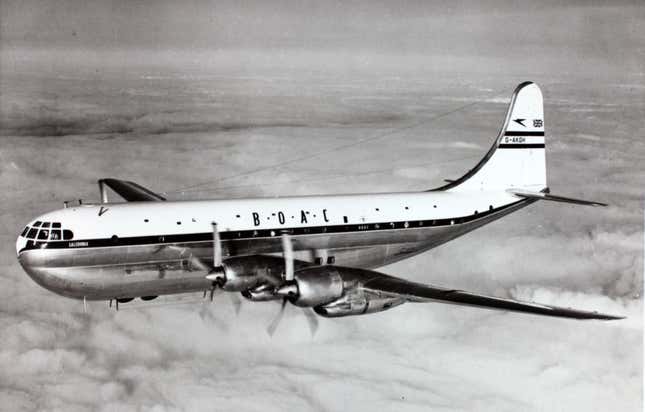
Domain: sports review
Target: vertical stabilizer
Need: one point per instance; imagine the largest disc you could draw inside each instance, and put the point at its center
(517, 158)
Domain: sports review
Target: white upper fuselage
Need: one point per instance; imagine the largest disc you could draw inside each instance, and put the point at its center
(134, 219)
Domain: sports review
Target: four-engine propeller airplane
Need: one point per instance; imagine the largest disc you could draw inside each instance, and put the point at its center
(148, 246)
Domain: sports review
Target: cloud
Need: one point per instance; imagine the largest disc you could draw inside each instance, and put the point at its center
(55, 121)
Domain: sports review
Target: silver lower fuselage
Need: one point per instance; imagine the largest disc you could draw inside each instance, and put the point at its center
(100, 273)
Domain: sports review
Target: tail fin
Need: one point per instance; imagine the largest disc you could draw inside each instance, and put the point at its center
(516, 160)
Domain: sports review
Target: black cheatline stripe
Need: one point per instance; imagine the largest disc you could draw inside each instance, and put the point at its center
(524, 134)
(264, 233)
(522, 146)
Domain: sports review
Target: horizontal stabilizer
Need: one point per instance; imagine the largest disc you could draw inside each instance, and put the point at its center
(554, 198)
(131, 191)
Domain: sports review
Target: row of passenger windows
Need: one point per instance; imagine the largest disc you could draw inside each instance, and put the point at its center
(47, 231)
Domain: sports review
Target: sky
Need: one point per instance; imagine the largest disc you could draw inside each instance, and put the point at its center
(590, 37)
(187, 98)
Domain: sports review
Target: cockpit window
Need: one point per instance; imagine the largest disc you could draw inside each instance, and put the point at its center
(37, 224)
(45, 234)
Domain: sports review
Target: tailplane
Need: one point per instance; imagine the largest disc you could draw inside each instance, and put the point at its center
(546, 196)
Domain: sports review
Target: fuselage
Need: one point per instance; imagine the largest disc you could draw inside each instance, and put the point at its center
(120, 250)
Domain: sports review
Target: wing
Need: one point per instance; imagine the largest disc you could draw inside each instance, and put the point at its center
(417, 292)
(131, 191)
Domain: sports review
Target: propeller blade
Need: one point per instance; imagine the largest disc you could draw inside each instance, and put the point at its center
(312, 320)
(217, 247)
(237, 303)
(287, 253)
(214, 290)
(276, 321)
(197, 263)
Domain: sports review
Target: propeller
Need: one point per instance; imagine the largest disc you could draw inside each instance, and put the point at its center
(289, 289)
(312, 320)
(287, 254)
(216, 274)
(217, 247)
(236, 301)
(276, 320)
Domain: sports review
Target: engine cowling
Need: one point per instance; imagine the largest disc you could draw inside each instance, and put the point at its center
(335, 291)
(248, 272)
(358, 303)
(316, 286)
(261, 293)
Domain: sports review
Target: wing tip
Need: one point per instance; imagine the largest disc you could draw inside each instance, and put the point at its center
(603, 316)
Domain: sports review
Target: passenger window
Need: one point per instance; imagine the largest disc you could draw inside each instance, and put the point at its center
(37, 224)
(55, 235)
(32, 233)
(24, 231)
(46, 224)
(67, 234)
(56, 224)
(43, 234)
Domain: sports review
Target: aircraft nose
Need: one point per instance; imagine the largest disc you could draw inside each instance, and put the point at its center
(20, 244)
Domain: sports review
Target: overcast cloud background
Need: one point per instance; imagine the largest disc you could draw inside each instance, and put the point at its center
(176, 94)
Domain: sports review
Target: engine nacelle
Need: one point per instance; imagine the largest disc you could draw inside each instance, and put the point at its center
(248, 272)
(357, 303)
(262, 293)
(335, 291)
(317, 286)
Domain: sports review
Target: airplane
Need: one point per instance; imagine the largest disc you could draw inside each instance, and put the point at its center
(316, 252)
